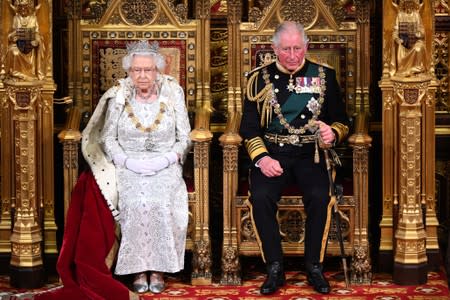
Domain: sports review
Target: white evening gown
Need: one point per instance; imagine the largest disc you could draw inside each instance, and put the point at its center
(154, 209)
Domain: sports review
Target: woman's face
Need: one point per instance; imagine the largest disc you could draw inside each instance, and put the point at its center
(143, 71)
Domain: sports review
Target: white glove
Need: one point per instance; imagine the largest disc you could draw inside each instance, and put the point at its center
(149, 166)
(172, 157)
(161, 162)
(119, 159)
(140, 166)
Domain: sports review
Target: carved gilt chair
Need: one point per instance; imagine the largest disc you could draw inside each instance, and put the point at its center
(333, 41)
(100, 43)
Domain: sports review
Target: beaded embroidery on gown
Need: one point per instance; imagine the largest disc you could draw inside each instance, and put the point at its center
(154, 209)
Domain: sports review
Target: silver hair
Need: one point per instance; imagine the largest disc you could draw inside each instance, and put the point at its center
(286, 26)
(143, 48)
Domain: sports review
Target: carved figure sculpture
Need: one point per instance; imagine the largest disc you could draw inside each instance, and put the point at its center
(409, 53)
(361, 267)
(25, 55)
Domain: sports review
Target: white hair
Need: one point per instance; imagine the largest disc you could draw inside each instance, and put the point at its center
(287, 26)
(142, 48)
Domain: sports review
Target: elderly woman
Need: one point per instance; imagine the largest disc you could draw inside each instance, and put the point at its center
(143, 129)
(134, 143)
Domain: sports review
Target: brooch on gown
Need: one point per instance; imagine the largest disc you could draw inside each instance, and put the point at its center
(149, 143)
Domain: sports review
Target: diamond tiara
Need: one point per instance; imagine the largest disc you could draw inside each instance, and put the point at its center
(142, 46)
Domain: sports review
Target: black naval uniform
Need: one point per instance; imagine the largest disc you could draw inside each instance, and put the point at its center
(263, 135)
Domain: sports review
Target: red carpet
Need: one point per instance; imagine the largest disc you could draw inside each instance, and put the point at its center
(381, 288)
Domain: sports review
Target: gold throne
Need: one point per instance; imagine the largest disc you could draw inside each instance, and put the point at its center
(333, 41)
(99, 41)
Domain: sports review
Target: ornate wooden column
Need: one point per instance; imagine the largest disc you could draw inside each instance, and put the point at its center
(26, 250)
(201, 137)
(26, 93)
(70, 138)
(409, 224)
(360, 141)
(230, 142)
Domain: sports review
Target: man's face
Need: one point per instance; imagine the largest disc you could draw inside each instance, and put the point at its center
(291, 49)
(143, 72)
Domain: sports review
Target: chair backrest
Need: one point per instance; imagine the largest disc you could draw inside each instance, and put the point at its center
(103, 43)
(334, 36)
(332, 40)
(106, 58)
(335, 52)
(101, 37)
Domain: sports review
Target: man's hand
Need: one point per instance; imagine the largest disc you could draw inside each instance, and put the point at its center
(326, 133)
(270, 167)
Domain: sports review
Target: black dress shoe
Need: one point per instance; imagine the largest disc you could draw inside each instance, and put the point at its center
(275, 278)
(317, 280)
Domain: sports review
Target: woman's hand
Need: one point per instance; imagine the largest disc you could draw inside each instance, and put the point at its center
(152, 165)
(140, 166)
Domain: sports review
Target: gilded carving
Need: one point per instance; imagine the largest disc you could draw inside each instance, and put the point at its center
(363, 11)
(360, 159)
(410, 234)
(441, 7)
(230, 158)
(72, 8)
(26, 56)
(292, 225)
(201, 157)
(201, 260)
(96, 8)
(230, 266)
(246, 227)
(255, 14)
(442, 63)
(361, 267)
(138, 12)
(203, 9)
(26, 239)
(28, 96)
(162, 19)
(409, 48)
(411, 95)
(234, 11)
(290, 8)
(337, 8)
(388, 101)
(70, 158)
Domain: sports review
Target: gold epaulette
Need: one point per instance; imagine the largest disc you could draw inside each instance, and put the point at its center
(262, 97)
(341, 130)
(252, 89)
(255, 147)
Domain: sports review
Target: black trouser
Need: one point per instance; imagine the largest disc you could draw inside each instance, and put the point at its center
(265, 192)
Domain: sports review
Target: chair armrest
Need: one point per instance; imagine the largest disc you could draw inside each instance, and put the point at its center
(231, 134)
(201, 132)
(71, 131)
(361, 137)
(70, 138)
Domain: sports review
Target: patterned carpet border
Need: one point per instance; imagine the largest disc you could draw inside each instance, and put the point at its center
(381, 288)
